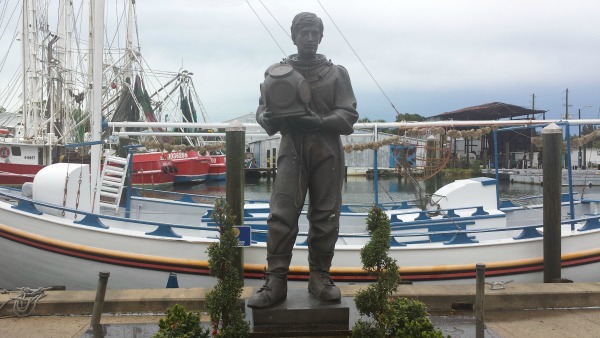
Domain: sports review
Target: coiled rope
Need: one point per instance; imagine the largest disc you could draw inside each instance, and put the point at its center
(24, 301)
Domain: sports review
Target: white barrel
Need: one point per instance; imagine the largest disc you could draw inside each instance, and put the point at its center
(49, 186)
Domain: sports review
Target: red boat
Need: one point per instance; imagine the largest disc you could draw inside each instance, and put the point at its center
(12, 174)
(190, 166)
(19, 161)
(179, 167)
(152, 169)
(217, 168)
(149, 169)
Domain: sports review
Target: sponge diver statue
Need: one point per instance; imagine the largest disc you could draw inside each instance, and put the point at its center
(310, 101)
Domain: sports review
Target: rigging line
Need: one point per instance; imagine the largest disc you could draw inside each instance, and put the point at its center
(265, 26)
(12, 85)
(3, 62)
(13, 38)
(116, 36)
(359, 59)
(521, 134)
(137, 30)
(77, 62)
(283, 29)
(3, 13)
(418, 191)
(386, 191)
(9, 19)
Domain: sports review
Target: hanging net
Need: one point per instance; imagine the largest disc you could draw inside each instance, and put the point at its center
(421, 158)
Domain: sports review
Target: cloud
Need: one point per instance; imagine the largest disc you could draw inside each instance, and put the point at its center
(429, 56)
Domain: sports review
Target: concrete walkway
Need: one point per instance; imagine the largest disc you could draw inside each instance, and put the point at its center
(520, 310)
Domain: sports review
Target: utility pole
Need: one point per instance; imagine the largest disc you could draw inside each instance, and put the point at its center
(531, 131)
(566, 118)
(582, 158)
(567, 104)
(579, 158)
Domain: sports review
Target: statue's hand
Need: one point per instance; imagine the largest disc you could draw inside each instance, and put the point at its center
(267, 118)
(311, 120)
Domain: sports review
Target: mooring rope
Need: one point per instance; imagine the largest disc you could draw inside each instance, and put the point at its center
(25, 301)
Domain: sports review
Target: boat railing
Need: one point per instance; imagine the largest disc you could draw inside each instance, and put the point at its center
(95, 220)
(456, 229)
(459, 233)
(400, 205)
(172, 195)
(517, 202)
(198, 198)
(426, 215)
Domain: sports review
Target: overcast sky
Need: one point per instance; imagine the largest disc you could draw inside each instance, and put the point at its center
(429, 57)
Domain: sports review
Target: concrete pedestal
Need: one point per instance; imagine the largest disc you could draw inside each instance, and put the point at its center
(303, 314)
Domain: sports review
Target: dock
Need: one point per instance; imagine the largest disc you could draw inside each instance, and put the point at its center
(579, 177)
(518, 310)
(260, 172)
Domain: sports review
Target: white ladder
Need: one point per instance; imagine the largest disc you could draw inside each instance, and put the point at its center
(112, 181)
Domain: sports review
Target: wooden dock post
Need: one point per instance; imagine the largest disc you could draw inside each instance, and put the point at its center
(234, 193)
(552, 175)
(479, 300)
(99, 301)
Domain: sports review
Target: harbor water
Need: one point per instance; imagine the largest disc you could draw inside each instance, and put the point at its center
(361, 190)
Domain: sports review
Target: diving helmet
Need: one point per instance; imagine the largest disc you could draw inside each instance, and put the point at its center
(286, 91)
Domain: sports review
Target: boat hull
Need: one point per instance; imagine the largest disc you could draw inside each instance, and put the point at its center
(16, 174)
(161, 236)
(52, 251)
(152, 170)
(191, 167)
(217, 170)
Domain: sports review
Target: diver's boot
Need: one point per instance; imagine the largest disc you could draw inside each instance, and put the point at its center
(275, 289)
(320, 283)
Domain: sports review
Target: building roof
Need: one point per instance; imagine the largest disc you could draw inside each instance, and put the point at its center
(488, 111)
(10, 120)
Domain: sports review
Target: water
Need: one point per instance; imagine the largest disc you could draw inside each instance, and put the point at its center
(360, 190)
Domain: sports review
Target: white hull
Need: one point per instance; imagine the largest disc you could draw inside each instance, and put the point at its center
(58, 252)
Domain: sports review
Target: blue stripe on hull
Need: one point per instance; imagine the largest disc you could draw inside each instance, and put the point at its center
(216, 177)
(190, 178)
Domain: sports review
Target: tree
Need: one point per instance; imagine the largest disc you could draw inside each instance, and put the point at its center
(222, 301)
(390, 317)
(180, 323)
(409, 117)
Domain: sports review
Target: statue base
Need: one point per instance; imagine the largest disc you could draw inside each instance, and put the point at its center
(303, 314)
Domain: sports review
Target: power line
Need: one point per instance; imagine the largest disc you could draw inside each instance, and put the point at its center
(283, 29)
(358, 57)
(268, 31)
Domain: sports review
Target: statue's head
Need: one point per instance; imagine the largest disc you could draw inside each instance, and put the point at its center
(305, 19)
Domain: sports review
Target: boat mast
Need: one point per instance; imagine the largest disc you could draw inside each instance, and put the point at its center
(97, 33)
(64, 86)
(31, 80)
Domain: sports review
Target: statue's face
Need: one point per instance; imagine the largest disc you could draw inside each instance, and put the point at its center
(308, 39)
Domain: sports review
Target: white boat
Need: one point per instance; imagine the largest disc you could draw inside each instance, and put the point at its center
(43, 245)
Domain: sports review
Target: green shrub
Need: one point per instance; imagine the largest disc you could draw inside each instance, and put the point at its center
(222, 301)
(387, 316)
(475, 168)
(181, 324)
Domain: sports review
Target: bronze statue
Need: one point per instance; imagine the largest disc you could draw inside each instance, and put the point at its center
(310, 102)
